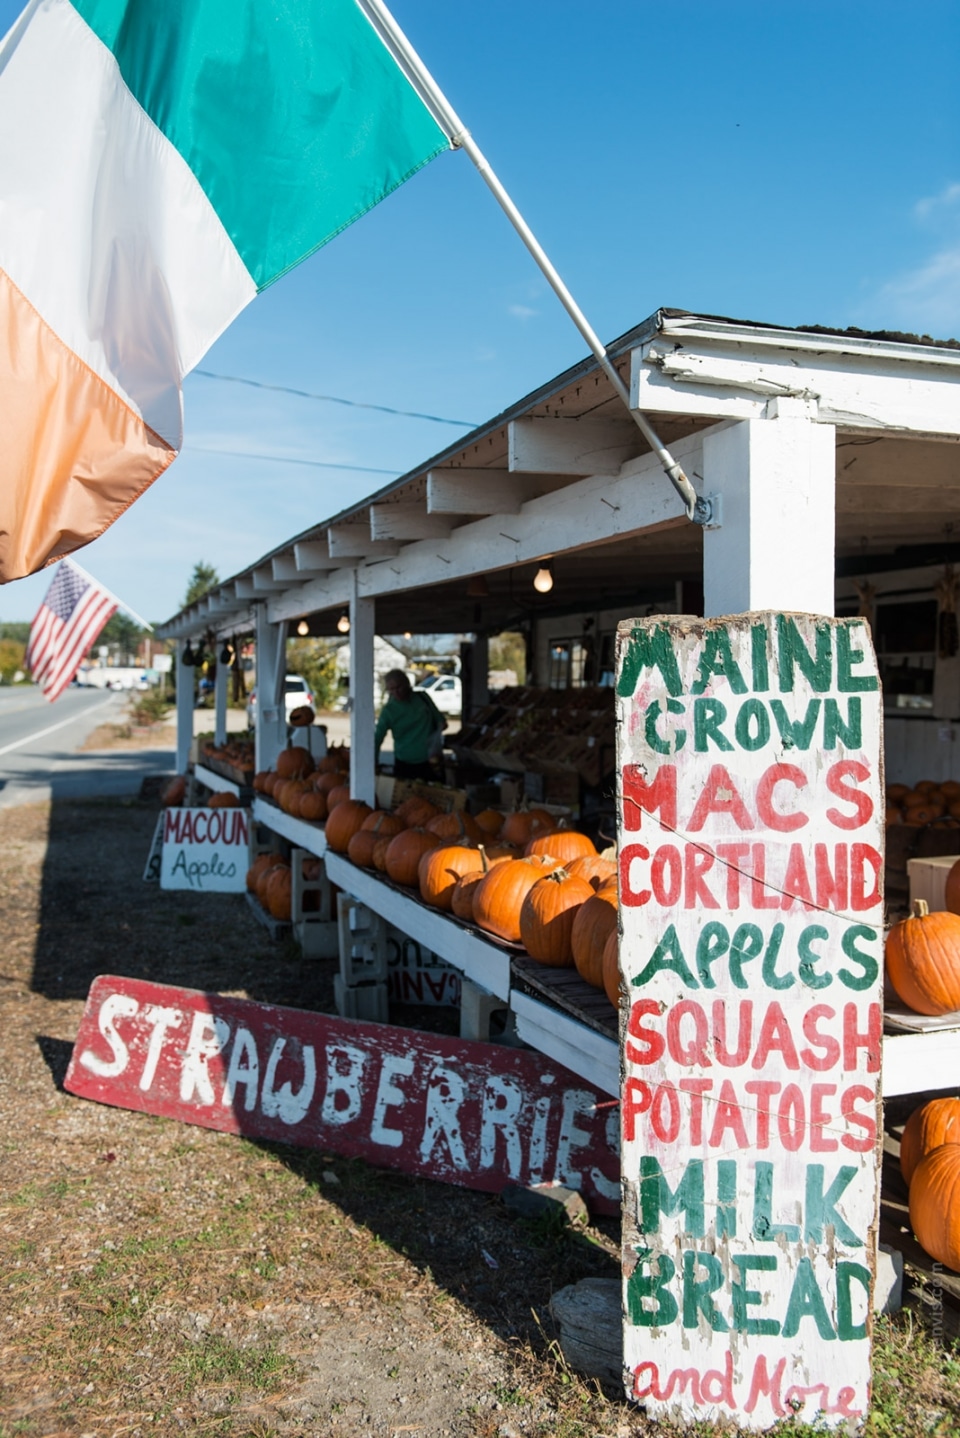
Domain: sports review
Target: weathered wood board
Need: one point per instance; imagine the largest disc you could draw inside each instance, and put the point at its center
(206, 850)
(751, 952)
(474, 1114)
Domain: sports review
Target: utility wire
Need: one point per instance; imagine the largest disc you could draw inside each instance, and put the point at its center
(287, 459)
(334, 399)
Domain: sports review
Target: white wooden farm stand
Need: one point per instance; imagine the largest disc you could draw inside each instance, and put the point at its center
(833, 465)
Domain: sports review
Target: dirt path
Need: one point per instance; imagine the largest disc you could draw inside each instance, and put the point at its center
(162, 1279)
(166, 1279)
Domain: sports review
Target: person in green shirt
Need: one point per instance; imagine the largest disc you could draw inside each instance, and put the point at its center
(416, 725)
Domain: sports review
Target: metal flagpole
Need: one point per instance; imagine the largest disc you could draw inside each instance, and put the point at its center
(69, 559)
(460, 137)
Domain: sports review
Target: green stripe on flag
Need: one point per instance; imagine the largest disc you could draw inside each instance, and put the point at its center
(292, 114)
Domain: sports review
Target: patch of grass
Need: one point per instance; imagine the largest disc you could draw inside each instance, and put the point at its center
(215, 1361)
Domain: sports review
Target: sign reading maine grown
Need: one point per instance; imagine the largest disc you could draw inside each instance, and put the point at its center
(206, 850)
(751, 952)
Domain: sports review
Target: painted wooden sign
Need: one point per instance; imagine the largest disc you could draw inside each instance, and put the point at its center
(474, 1114)
(417, 976)
(751, 953)
(206, 850)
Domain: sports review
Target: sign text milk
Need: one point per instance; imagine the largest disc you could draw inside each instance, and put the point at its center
(751, 952)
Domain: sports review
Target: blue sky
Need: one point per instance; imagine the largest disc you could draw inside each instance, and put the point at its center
(787, 163)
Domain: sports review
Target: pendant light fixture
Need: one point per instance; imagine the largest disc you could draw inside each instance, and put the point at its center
(303, 628)
(343, 623)
(543, 579)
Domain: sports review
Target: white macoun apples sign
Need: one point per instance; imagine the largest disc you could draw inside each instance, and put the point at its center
(751, 951)
(206, 850)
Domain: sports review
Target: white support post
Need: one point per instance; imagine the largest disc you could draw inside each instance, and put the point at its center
(271, 668)
(774, 547)
(185, 698)
(362, 716)
(220, 689)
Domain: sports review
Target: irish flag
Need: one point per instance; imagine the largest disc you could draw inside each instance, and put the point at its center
(161, 162)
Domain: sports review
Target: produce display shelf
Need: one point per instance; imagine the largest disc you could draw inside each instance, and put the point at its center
(216, 782)
(568, 1041)
(483, 962)
(298, 831)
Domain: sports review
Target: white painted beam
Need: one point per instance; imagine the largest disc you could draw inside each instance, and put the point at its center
(353, 541)
(313, 557)
(775, 546)
(570, 446)
(479, 491)
(859, 393)
(246, 589)
(402, 521)
(220, 695)
(640, 500)
(362, 707)
(185, 701)
(284, 566)
(271, 730)
(264, 582)
(884, 499)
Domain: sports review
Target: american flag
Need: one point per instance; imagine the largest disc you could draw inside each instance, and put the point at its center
(73, 612)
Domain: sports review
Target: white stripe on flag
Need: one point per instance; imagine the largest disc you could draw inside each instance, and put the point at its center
(81, 629)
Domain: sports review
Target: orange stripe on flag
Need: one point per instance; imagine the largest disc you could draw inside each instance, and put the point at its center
(75, 454)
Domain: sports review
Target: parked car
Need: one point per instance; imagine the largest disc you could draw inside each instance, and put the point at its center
(295, 693)
(445, 690)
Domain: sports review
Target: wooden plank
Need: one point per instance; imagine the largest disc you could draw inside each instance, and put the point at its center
(484, 963)
(217, 782)
(752, 950)
(407, 521)
(570, 446)
(479, 491)
(285, 566)
(916, 1062)
(312, 556)
(301, 833)
(568, 1042)
(354, 541)
(475, 1114)
(264, 582)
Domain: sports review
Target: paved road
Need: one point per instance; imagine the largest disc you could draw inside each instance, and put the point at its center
(38, 744)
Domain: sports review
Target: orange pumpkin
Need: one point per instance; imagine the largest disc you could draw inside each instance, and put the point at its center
(918, 814)
(343, 821)
(339, 794)
(174, 793)
(313, 806)
(547, 917)
(333, 762)
(491, 820)
(440, 869)
(896, 793)
(594, 868)
(376, 826)
(260, 781)
(266, 875)
(301, 717)
(293, 790)
(225, 800)
(500, 894)
(405, 851)
(893, 815)
(326, 779)
(596, 919)
(258, 867)
(294, 763)
(928, 1127)
(525, 824)
(415, 812)
(950, 789)
(935, 1204)
(564, 844)
(380, 852)
(923, 960)
(270, 781)
(611, 968)
(457, 827)
(926, 786)
(279, 891)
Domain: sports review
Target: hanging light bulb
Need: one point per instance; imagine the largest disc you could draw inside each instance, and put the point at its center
(188, 657)
(343, 623)
(408, 634)
(303, 628)
(543, 579)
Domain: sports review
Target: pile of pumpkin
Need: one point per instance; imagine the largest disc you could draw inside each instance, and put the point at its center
(175, 793)
(923, 803)
(520, 877)
(304, 787)
(922, 954)
(236, 752)
(270, 880)
(930, 1164)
